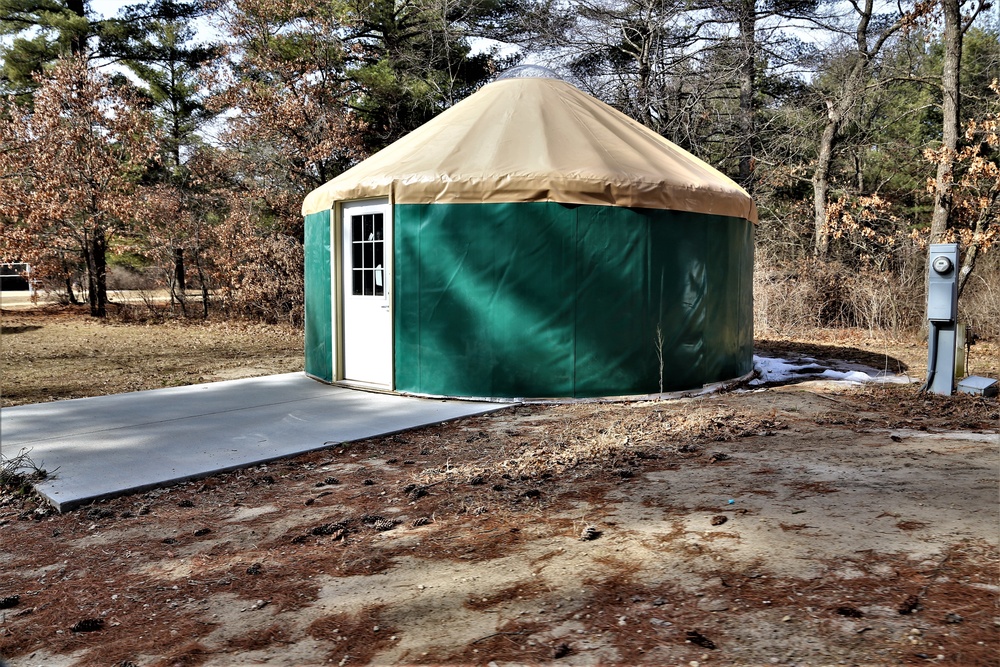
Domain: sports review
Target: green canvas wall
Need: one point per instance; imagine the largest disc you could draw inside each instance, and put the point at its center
(553, 300)
(319, 334)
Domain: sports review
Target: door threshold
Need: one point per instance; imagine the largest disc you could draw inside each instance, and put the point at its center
(365, 386)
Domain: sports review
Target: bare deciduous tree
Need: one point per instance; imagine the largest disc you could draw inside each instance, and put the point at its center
(70, 170)
(870, 34)
(955, 27)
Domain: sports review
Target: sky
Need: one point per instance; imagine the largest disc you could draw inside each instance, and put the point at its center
(107, 8)
(110, 8)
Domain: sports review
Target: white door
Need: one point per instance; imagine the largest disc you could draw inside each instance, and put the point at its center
(367, 321)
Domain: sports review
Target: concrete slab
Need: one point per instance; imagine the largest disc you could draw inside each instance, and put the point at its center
(112, 445)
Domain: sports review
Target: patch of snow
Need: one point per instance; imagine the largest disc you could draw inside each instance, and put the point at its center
(773, 370)
(849, 376)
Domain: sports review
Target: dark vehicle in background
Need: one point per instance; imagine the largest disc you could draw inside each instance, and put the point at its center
(15, 277)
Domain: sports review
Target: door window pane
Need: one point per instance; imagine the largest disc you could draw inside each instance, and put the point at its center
(367, 255)
(356, 255)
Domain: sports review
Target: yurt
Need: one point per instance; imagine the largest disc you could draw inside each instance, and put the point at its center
(529, 242)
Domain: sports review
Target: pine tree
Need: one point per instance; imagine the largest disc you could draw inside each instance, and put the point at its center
(156, 42)
(43, 31)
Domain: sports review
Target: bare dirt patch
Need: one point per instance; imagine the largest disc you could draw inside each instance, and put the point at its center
(860, 528)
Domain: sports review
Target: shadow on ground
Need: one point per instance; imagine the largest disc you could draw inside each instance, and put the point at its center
(19, 329)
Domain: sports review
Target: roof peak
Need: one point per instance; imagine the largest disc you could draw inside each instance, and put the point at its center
(529, 71)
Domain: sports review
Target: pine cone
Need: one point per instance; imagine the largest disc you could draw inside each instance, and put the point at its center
(381, 524)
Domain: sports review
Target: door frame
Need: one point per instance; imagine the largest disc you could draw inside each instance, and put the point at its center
(339, 285)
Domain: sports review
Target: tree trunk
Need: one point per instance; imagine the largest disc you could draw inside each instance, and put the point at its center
(179, 269)
(79, 44)
(837, 112)
(70, 294)
(968, 266)
(748, 86)
(950, 127)
(972, 251)
(821, 181)
(97, 273)
(643, 56)
(204, 286)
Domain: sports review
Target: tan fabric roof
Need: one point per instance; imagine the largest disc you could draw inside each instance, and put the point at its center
(528, 139)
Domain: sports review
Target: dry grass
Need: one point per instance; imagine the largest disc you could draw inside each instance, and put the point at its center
(61, 353)
(801, 296)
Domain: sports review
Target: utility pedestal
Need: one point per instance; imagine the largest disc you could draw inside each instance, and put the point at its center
(942, 315)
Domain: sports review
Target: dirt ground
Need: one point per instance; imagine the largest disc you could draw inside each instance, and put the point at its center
(805, 524)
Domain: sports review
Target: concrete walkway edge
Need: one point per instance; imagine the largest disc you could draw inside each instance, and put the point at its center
(108, 446)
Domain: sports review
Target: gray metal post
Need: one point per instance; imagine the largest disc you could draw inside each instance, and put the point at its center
(944, 371)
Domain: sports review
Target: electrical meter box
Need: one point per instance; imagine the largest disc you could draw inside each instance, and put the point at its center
(942, 283)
